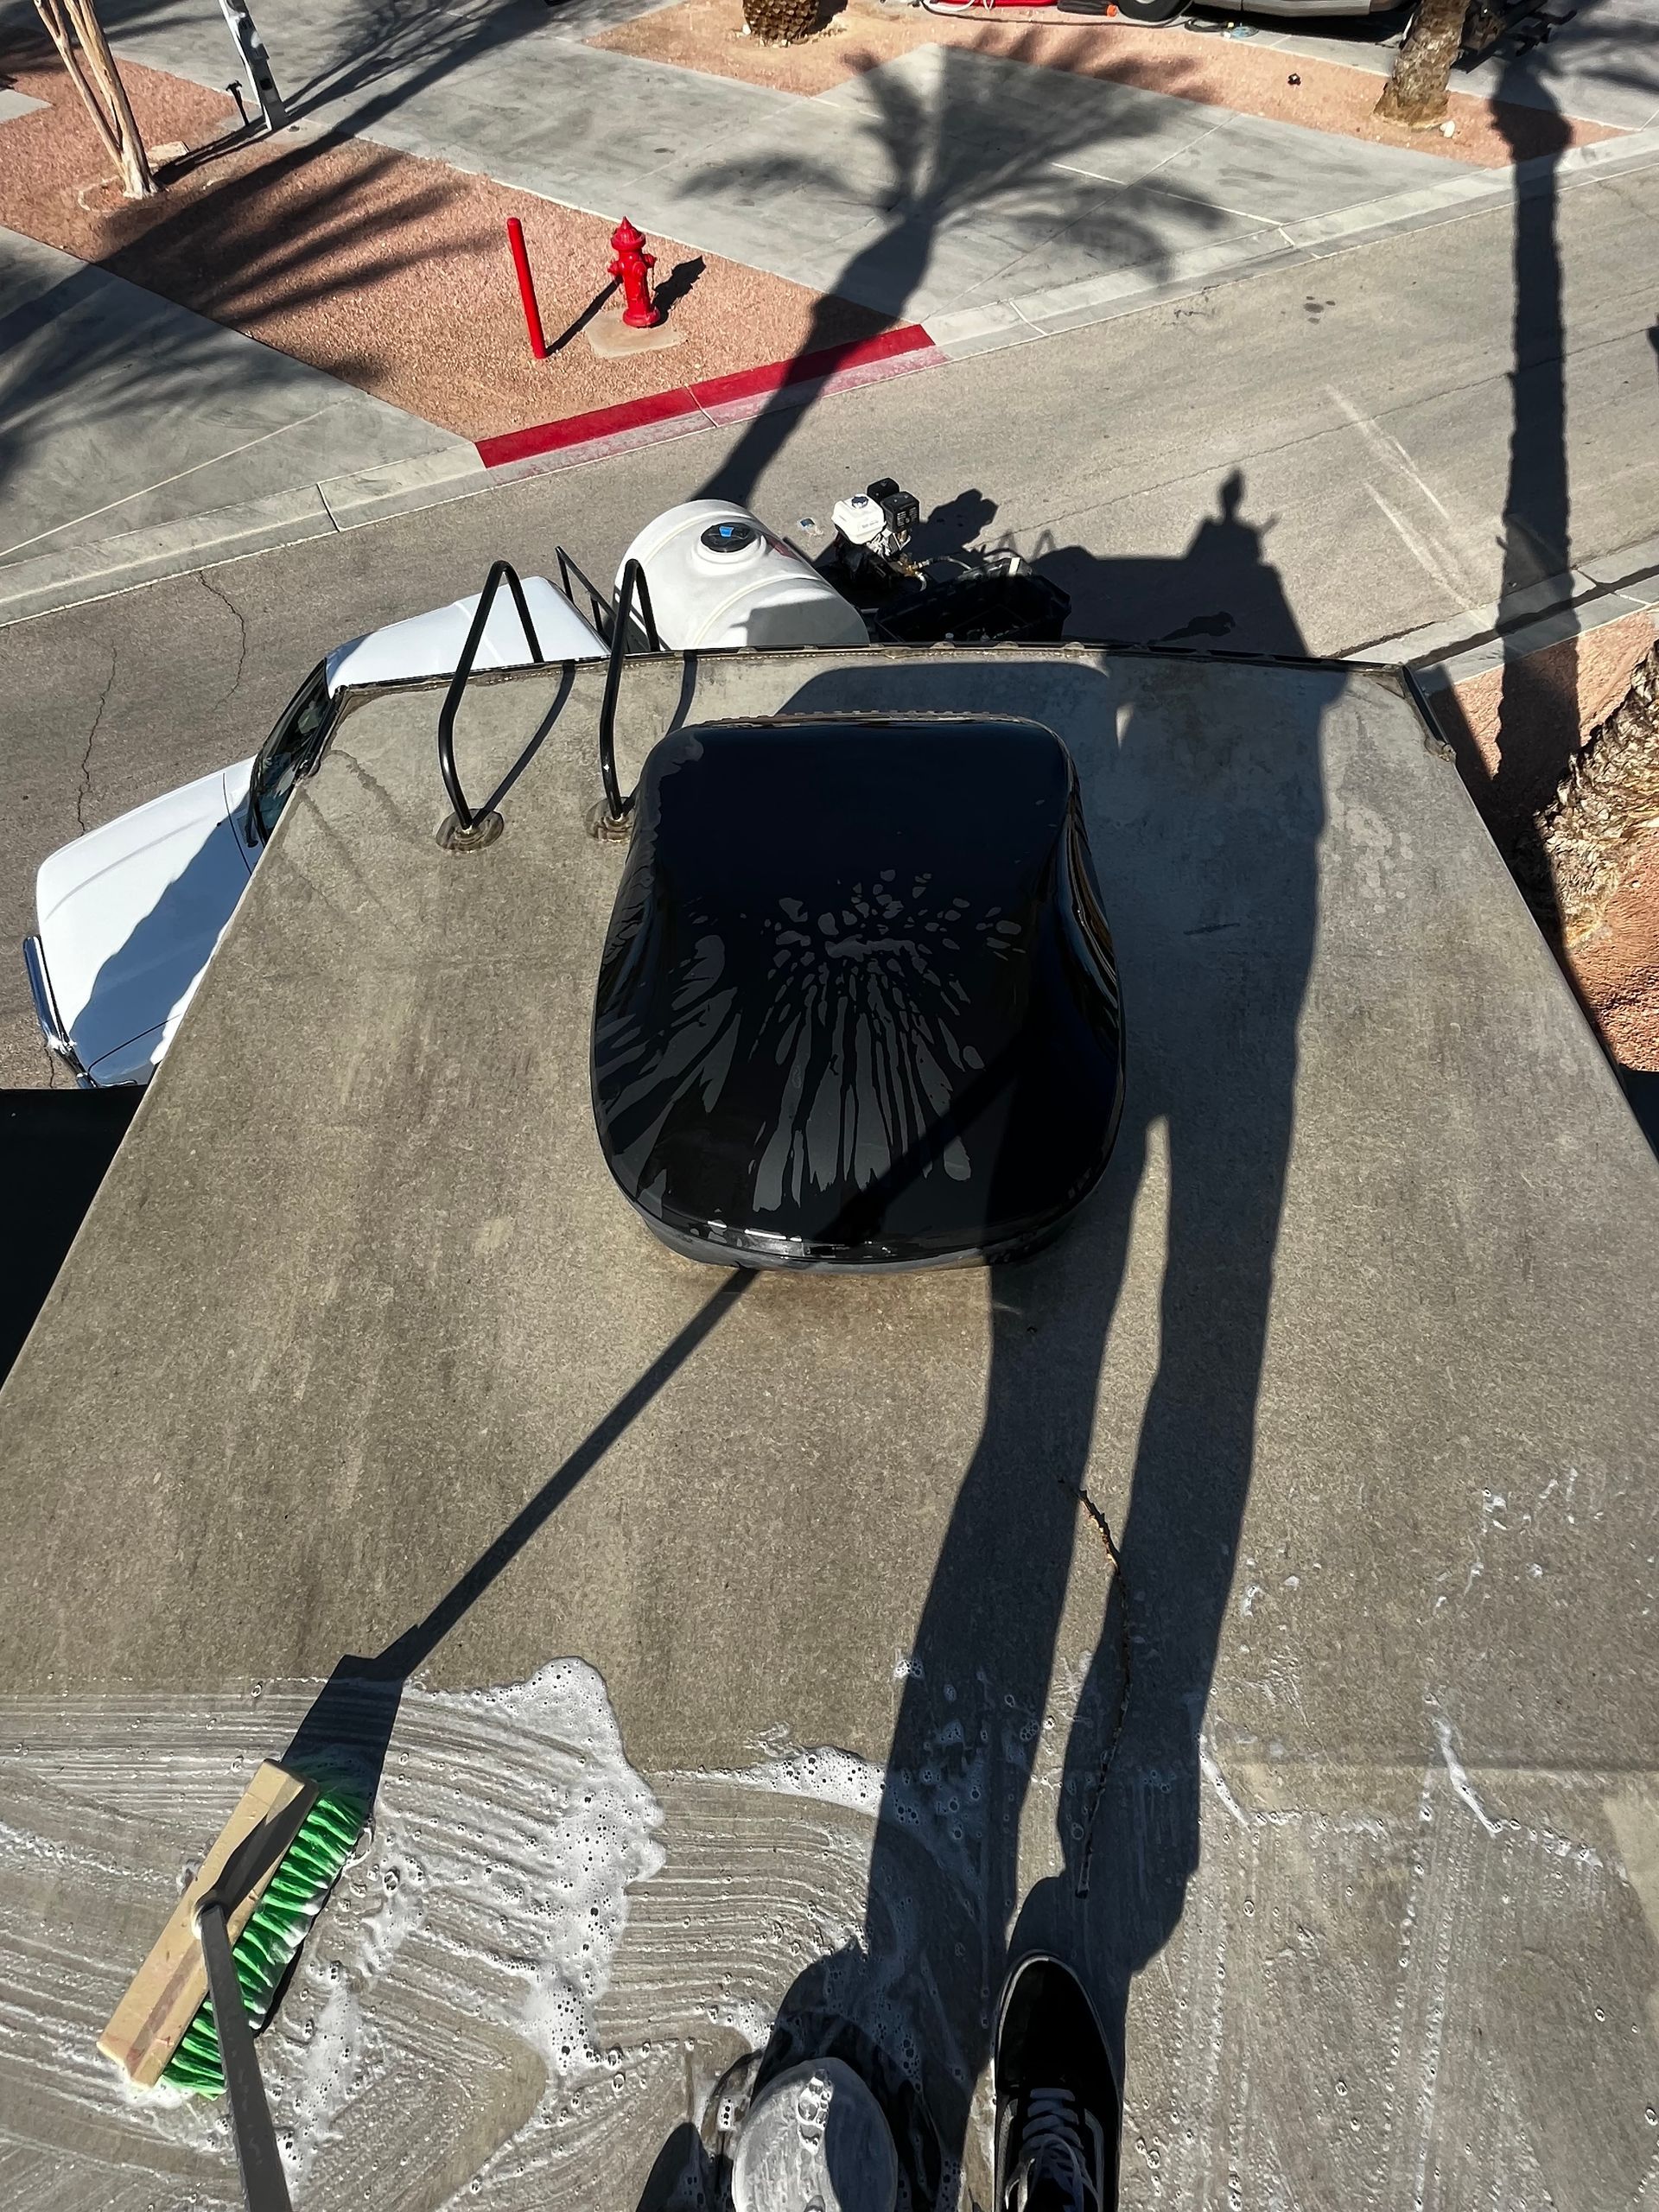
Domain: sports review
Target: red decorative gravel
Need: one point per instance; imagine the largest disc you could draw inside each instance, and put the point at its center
(1237, 74)
(389, 271)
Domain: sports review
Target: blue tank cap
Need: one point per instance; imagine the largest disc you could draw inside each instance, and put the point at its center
(729, 537)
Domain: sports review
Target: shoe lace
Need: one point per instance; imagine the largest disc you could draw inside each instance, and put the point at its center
(1052, 2149)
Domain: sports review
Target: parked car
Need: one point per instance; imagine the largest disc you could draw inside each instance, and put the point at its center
(127, 917)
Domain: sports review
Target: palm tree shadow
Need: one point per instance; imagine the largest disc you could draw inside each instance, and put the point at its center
(1538, 713)
(377, 53)
(961, 153)
(1205, 833)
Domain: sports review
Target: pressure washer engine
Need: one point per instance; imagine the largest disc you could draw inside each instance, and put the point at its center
(717, 578)
(873, 528)
(962, 598)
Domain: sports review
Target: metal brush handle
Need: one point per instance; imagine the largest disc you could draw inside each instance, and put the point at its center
(264, 2185)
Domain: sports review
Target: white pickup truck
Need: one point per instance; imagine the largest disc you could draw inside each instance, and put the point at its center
(128, 916)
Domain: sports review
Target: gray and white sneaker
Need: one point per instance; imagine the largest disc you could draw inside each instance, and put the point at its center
(1058, 2108)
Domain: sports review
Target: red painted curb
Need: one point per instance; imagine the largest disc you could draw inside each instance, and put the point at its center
(699, 399)
(577, 430)
(809, 368)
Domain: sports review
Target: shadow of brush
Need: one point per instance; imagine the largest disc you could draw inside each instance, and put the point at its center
(950, 172)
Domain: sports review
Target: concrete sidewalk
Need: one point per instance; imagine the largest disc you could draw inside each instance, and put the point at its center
(945, 179)
(121, 415)
(487, 89)
(949, 179)
(1603, 65)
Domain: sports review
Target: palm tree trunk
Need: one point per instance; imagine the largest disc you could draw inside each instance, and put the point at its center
(781, 23)
(1416, 93)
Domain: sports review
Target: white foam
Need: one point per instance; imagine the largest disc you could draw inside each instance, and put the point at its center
(826, 1775)
(486, 1910)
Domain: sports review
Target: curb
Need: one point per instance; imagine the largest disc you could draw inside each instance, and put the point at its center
(78, 573)
(715, 401)
(460, 469)
(457, 471)
(1574, 604)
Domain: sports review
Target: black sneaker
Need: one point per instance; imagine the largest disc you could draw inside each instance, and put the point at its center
(1059, 2109)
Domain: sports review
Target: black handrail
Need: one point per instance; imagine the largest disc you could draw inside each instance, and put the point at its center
(599, 605)
(632, 582)
(465, 818)
(624, 607)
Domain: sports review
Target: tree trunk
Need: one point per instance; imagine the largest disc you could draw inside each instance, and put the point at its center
(781, 23)
(1415, 95)
(74, 29)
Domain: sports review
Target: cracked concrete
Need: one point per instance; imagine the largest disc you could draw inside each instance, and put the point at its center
(215, 590)
(83, 790)
(109, 705)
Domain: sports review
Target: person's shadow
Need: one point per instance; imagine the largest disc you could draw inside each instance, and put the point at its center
(1205, 827)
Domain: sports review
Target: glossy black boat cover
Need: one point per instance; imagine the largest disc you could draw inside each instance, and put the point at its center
(857, 1007)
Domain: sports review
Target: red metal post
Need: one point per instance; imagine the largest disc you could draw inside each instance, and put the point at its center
(526, 287)
(634, 268)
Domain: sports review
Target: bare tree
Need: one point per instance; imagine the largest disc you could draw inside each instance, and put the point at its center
(78, 36)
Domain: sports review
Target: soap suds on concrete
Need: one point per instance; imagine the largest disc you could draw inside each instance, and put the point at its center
(544, 1961)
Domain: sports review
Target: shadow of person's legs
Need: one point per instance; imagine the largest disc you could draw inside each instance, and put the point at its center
(1232, 960)
(922, 1983)
(1205, 834)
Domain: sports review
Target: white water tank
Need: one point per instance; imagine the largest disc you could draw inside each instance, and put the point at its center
(719, 577)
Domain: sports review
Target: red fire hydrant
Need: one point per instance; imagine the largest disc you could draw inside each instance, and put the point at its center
(632, 267)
